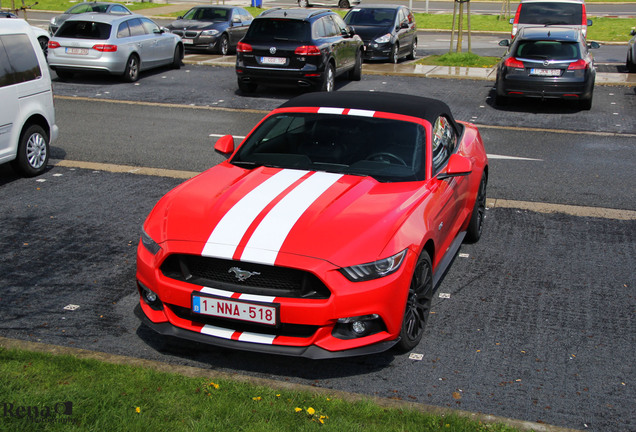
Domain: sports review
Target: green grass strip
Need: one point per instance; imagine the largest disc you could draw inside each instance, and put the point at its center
(64, 393)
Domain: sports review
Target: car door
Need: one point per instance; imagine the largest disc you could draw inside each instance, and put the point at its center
(7, 108)
(161, 45)
(403, 30)
(450, 192)
(346, 46)
(140, 42)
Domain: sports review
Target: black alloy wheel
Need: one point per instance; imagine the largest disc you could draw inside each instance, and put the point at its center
(418, 305)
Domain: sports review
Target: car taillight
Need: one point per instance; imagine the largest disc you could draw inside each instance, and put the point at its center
(53, 44)
(243, 47)
(307, 50)
(515, 22)
(105, 48)
(513, 62)
(579, 65)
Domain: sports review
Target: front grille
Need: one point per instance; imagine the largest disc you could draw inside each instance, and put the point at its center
(292, 330)
(191, 34)
(264, 280)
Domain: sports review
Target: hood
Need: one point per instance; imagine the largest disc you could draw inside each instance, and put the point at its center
(369, 33)
(262, 214)
(196, 25)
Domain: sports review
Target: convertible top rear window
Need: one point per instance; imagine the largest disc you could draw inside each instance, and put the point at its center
(385, 149)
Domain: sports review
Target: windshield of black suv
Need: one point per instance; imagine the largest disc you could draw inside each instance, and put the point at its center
(371, 17)
(385, 149)
(547, 50)
(548, 13)
(207, 14)
(271, 29)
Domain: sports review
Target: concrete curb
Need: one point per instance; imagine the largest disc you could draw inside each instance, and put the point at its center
(194, 372)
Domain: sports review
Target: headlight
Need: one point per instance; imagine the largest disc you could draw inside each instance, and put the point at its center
(149, 243)
(374, 270)
(384, 39)
(209, 33)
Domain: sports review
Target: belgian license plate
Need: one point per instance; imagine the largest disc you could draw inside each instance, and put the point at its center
(188, 41)
(77, 51)
(261, 313)
(545, 72)
(273, 60)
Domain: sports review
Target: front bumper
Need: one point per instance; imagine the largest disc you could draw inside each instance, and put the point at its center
(308, 327)
(376, 51)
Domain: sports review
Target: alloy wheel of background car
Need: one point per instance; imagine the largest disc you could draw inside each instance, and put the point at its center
(33, 151)
(131, 74)
(329, 79)
(418, 305)
(344, 4)
(476, 223)
(394, 56)
(224, 45)
(413, 52)
(303, 3)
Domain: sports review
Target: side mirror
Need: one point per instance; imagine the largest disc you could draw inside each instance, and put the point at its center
(633, 32)
(594, 45)
(458, 166)
(504, 42)
(179, 17)
(512, 20)
(236, 20)
(404, 25)
(225, 145)
(589, 22)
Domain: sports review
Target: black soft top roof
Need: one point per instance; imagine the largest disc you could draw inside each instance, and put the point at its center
(414, 106)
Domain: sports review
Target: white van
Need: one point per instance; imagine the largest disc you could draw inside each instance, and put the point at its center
(27, 114)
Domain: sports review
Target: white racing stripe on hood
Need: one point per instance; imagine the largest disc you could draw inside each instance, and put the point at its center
(228, 233)
(265, 243)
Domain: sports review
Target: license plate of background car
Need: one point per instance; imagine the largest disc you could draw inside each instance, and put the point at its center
(77, 51)
(273, 60)
(235, 309)
(545, 72)
(187, 41)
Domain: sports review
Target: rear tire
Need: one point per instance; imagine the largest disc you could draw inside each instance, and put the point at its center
(355, 74)
(476, 224)
(329, 79)
(418, 305)
(33, 151)
(586, 104)
(63, 75)
(303, 3)
(246, 87)
(178, 56)
(344, 4)
(630, 62)
(413, 52)
(131, 73)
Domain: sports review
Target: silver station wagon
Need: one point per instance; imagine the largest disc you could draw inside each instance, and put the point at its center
(119, 45)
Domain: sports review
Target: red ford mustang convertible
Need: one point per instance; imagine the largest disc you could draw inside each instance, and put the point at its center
(323, 235)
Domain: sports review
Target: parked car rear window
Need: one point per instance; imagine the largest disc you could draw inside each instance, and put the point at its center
(18, 61)
(543, 50)
(278, 29)
(84, 30)
(551, 13)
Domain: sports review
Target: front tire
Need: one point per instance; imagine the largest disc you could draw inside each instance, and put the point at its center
(418, 305)
(224, 45)
(246, 87)
(344, 4)
(476, 224)
(33, 151)
(303, 3)
(131, 73)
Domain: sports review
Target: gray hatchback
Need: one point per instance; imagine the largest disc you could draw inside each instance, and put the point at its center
(119, 45)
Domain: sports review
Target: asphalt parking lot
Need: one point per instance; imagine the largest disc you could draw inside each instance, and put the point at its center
(534, 322)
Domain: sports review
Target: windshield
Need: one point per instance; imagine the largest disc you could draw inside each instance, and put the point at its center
(207, 14)
(547, 13)
(547, 50)
(371, 17)
(387, 150)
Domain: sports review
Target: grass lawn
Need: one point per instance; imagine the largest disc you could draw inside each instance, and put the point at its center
(64, 393)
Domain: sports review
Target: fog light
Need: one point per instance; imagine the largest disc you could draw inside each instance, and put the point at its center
(151, 297)
(359, 327)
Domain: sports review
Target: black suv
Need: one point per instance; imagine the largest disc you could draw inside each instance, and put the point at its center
(306, 48)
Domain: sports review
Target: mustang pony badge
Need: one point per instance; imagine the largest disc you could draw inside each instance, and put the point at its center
(242, 275)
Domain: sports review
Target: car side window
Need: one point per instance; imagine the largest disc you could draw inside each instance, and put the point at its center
(123, 30)
(402, 18)
(340, 24)
(245, 15)
(18, 61)
(116, 9)
(150, 26)
(136, 28)
(330, 27)
(444, 142)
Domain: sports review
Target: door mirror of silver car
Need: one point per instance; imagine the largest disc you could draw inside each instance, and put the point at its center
(224, 145)
(504, 42)
(594, 45)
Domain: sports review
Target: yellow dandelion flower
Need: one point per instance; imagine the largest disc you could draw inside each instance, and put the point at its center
(257, 398)
(311, 411)
(298, 409)
(138, 410)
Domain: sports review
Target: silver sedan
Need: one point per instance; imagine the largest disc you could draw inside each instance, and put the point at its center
(119, 45)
